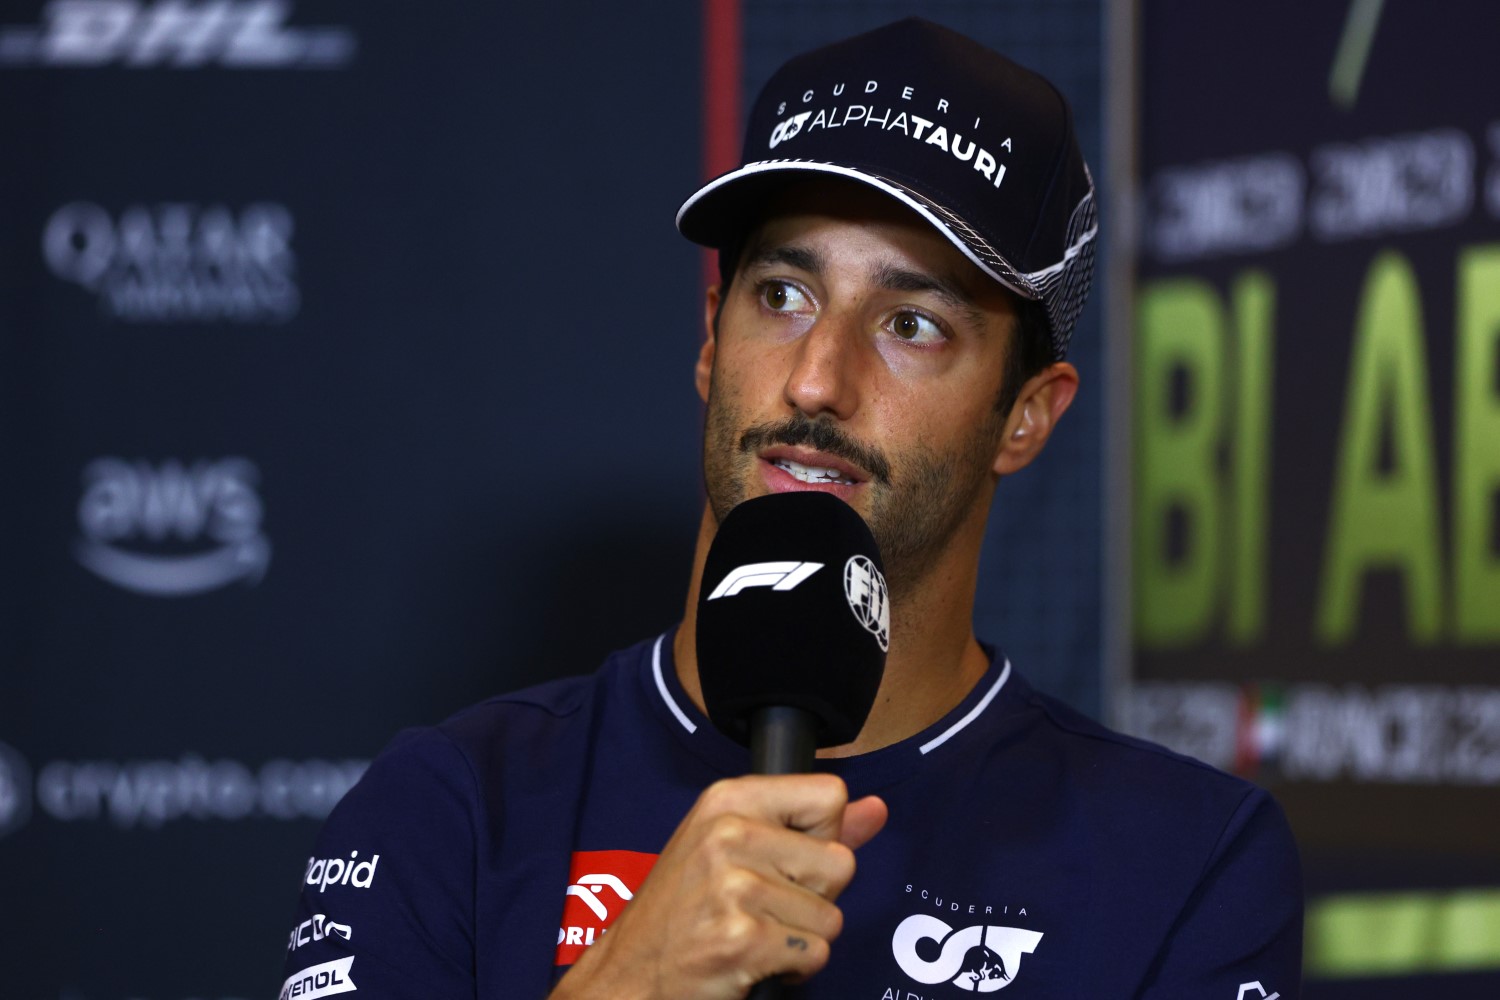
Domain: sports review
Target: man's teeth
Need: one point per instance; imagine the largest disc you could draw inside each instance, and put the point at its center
(811, 473)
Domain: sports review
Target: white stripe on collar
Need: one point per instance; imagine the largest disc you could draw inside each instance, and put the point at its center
(666, 696)
(984, 702)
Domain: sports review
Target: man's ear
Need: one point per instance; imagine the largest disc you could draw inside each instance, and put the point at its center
(1041, 403)
(703, 371)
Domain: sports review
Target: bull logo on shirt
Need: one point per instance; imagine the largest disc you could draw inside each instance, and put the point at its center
(982, 958)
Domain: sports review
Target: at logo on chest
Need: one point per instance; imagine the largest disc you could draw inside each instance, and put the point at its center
(968, 946)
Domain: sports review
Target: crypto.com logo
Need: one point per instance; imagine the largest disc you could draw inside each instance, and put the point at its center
(980, 959)
(166, 514)
(235, 34)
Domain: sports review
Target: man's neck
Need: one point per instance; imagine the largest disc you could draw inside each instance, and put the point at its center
(934, 659)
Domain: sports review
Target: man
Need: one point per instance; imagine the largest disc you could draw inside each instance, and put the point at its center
(902, 258)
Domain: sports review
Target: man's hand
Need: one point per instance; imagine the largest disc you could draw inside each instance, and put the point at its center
(742, 892)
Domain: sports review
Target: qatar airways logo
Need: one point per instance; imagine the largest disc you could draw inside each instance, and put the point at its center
(171, 530)
(178, 262)
(179, 34)
(982, 958)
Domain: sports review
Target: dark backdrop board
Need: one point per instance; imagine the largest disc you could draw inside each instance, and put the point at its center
(1317, 476)
(345, 376)
(345, 379)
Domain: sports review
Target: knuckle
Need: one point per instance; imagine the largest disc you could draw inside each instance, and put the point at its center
(739, 886)
(840, 864)
(726, 835)
(831, 786)
(719, 796)
(832, 924)
(738, 932)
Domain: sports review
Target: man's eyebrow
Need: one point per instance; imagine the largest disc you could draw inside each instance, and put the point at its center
(799, 257)
(900, 279)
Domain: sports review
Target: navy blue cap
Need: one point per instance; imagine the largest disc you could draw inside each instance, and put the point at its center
(979, 146)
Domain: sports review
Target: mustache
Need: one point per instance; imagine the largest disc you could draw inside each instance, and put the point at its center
(821, 435)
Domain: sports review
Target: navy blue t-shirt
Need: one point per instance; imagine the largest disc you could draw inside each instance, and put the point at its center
(1028, 849)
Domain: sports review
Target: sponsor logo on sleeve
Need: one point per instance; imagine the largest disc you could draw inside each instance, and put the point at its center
(600, 883)
(324, 872)
(323, 980)
(317, 928)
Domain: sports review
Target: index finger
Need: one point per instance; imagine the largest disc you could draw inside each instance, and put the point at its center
(810, 803)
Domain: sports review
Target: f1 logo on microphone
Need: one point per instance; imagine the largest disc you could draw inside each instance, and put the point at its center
(776, 575)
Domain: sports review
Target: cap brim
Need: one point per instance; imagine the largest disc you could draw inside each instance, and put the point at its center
(722, 211)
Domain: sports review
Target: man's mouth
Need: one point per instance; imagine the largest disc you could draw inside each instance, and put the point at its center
(811, 473)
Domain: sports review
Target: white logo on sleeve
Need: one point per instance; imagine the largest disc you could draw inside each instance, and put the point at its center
(982, 958)
(776, 575)
(318, 928)
(1260, 991)
(323, 872)
(315, 981)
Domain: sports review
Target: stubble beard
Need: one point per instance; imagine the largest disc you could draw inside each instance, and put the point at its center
(914, 510)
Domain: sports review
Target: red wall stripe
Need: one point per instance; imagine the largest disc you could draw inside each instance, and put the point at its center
(723, 63)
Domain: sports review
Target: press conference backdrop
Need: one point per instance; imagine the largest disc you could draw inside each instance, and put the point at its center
(1317, 455)
(345, 379)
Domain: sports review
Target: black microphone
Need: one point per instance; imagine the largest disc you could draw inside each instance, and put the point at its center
(793, 627)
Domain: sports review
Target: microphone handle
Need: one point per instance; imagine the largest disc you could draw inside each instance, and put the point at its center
(782, 741)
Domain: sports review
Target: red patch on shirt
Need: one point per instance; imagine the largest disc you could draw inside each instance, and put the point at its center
(600, 883)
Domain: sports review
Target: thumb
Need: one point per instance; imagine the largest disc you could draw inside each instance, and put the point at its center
(863, 819)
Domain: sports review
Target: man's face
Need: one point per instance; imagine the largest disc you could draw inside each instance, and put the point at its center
(860, 354)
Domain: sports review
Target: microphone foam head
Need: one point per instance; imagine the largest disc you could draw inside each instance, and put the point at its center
(793, 611)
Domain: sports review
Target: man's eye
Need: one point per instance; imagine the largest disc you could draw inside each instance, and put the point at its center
(781, 296)
(914, 328)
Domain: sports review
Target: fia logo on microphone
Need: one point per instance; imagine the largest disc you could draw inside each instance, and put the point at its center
(865, 589)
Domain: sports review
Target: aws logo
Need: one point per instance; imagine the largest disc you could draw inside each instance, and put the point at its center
(600, 883)
(982, 958)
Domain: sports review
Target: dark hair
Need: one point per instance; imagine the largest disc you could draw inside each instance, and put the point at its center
(1031, 351)
(1031, 348)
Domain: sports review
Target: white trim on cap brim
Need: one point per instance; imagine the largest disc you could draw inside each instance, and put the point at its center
(904, 196)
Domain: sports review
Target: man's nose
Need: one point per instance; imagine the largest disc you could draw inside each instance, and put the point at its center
(826, 366)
